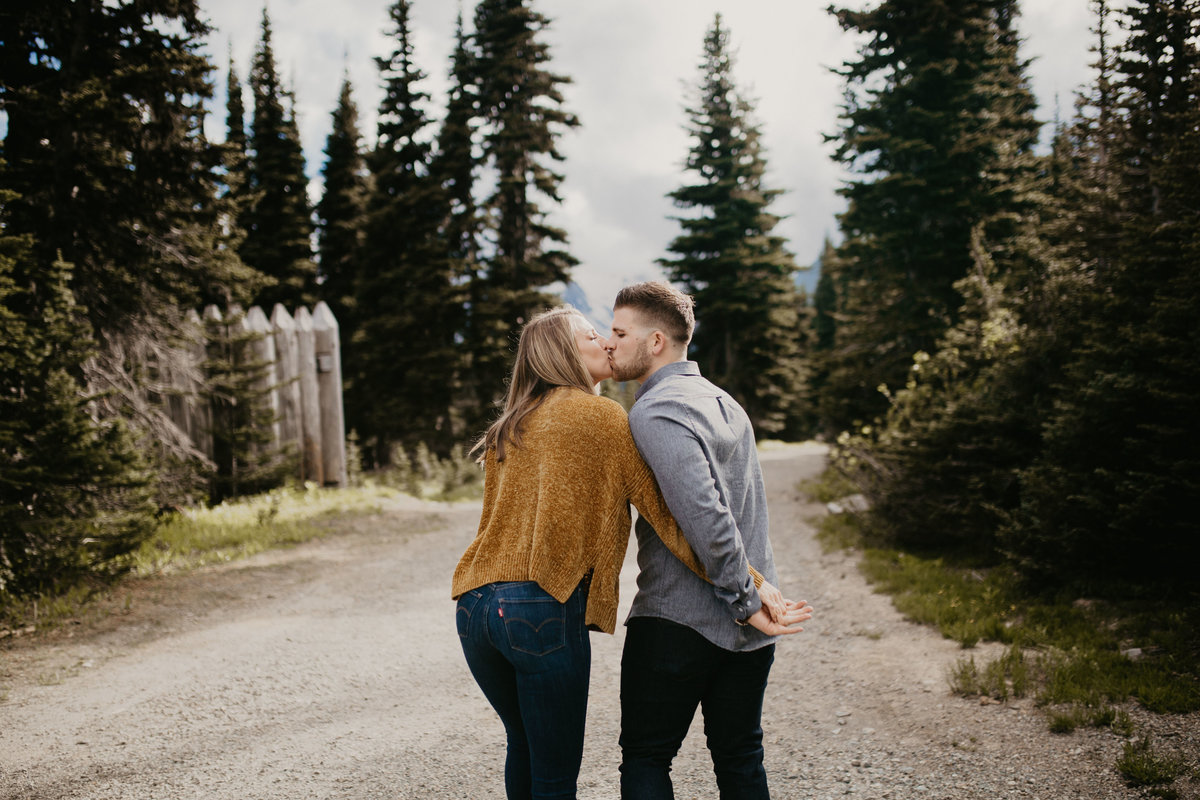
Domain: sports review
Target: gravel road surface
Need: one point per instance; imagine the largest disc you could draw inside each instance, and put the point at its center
(332, 670)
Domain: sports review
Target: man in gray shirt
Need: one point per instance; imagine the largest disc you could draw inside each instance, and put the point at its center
(689, 642)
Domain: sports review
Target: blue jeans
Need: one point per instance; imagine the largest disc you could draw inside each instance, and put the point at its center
(532, 658)
(667, 670)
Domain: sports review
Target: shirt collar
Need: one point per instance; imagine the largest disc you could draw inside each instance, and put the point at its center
(666, 371)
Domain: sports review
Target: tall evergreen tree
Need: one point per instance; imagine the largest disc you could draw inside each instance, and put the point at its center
(342, 210)
(939, 122)
(456, 161)
(521, 108)
(105, 146)
(237, 164)
(106, 150)
(824, 335)
(278, 221)
(1108, 498)
(235, 195)
(748, 331)
(74, 494)
(455, 168)
(403, 356)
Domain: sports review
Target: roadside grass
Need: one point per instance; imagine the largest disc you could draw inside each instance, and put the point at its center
(204, 535)
(1078, 658)
(1142, 765)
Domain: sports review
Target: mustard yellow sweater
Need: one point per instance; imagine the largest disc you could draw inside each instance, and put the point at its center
(557, 507)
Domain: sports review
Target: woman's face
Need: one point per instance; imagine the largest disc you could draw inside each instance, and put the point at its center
(591, 348)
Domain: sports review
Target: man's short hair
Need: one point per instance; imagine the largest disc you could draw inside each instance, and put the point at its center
(661, 306)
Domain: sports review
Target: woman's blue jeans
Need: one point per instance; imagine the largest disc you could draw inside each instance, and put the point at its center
(532, 658)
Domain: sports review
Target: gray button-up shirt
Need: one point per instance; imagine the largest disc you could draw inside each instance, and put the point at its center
(700, 444)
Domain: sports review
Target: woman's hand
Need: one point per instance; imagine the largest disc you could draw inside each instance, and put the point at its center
(772, 600)
(796, 611)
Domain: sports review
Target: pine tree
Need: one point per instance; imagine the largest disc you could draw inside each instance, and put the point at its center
(74, 494)
(403, 357)
(1109, 498)
(521, 108)
(105, 147)
(237, 162)
(341, 212)
(455, 162)
(748, 332)
(824, 335)
(941, 473)
(278, 221)
(938, 121)
(455, 169)
(942, 468)
(235, 196)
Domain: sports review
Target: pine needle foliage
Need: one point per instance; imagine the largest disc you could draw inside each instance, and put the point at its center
(278, 220)
(408, 306)
(936, 125)
(521, 114)
(341, 212)
(749, 333)
(1109, 498)
(75, 495)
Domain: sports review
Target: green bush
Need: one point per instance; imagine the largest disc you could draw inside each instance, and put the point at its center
(1142, 765)
(75, 492)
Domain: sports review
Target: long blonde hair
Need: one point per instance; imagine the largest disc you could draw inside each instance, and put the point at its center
(547, 358)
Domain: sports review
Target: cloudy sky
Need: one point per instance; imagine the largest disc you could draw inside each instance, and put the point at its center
(630, 61)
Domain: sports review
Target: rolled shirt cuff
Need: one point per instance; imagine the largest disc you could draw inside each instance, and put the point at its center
(746, 605)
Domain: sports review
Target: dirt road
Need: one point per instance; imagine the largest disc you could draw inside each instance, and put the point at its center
(332, 670)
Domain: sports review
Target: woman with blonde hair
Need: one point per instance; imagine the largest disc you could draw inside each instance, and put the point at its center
(561, 469)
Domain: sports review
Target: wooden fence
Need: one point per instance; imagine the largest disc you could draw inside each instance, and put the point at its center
(302, 385)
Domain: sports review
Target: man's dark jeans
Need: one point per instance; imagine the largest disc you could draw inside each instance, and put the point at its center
(532, 658)
(666, 671)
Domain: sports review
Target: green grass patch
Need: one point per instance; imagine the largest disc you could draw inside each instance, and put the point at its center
(966, 605)
(1077, 656)
(240, 528)
(1002, 678)
(1066, 719)
(837, 532)
(1143, 765)
(1094, 675)
(23, 615)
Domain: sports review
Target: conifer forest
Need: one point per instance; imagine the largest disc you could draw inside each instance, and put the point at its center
(1002, 351)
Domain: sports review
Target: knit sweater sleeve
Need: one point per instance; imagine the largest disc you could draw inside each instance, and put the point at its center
(643, 492)
(647, 498)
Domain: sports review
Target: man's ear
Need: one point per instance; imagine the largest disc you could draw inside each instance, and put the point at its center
(658, 342)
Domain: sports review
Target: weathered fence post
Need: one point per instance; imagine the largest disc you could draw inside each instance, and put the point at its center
(287, 381)
(262, 354)
(329, 379)
(218, 406)
(310, 398)
(198, 424)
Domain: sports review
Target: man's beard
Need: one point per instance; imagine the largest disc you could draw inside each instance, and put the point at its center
(636, 367)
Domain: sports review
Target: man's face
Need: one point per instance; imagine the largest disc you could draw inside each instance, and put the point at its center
(628, 349)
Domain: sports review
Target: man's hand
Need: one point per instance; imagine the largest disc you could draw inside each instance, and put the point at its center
(795, 612)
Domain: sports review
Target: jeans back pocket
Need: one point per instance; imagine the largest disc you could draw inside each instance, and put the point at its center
(534, 626)
(466, 608)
